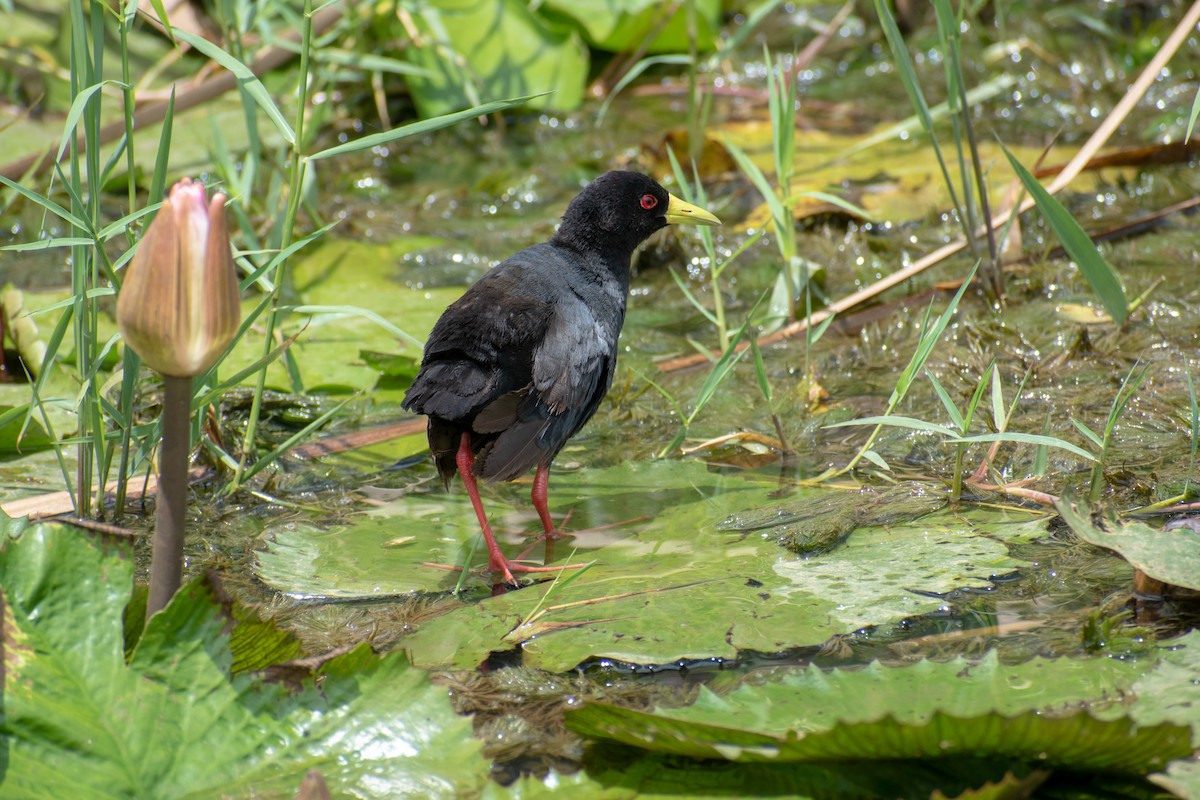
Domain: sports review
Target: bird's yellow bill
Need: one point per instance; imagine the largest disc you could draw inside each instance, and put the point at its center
(679, 212)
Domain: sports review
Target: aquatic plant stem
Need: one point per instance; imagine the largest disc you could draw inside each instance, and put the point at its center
(166, 562)
(295, 188)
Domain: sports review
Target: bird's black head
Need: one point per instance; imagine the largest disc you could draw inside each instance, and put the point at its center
(617, 211)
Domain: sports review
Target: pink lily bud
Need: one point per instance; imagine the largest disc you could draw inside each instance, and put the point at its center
(179, 304)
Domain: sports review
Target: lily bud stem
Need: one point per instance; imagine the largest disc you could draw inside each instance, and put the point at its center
(166, 562)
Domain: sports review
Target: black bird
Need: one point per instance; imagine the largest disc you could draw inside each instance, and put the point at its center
(517, 365)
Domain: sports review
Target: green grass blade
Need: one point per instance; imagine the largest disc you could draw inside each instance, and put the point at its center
(1091, 435)
(779, 214)
(424, 126)
(723, 365)
(158, 180)
(118, 227)
(955, 416)
(834, 200)
(760, 371)
(1078, 245)
(246, 78)
(719, 372)
(91, 294)
(1129, 386)
(897, 421)
(999, 418)
(1026, 438)
(1192, 119)
(46, 203)
(1042, 459)
(76, 111)
(161, 11)
(633, 74)
(687, 292)
(47, 244)
(877, 460)
(928, 339)
(339, 312)
(912, 87)
(290, 442)
(753, 20)
(977, 397)
(283, 255)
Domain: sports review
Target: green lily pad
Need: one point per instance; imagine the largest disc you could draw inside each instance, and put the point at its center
(1181, 778)
(665, 582)
(18, 439)
(1054, 711)
(1077, 740)
(479, 50)
(83, 721)
(815, 699)
(1169, 693)
(657, 776)
(623, 26)
(333, 333)
(1170, 556)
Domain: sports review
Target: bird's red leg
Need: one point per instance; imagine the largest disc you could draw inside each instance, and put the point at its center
(498, 564)
(540, 495)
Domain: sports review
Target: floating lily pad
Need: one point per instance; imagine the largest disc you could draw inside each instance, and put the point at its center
(624, 25)
(1054, 711)
(19, 438)
(1170, 693)
(333, 333)
(493, 49)
(1170, 556)
(665, 583)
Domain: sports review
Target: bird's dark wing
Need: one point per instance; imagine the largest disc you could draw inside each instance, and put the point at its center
(521, 361)
(478, 363)
(480, 350)
(571, 371)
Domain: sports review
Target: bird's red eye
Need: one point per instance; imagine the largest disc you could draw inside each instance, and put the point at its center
(649, 201)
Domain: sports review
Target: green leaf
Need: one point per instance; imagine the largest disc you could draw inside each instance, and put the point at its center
(422, 127)
(77, 106)
(493, 48)
(246, 77)
(897, 421)
(1078, 245)
(1091, 435)
(672, 578)
(323, 314)
(780, 216)
(632, 74)
(877, 460)
(1057, 712)
(1027, 438)
(46, 244)
(171, 723)
(948, 403)
(620, 26)
(46, 203)
(18, 439)
(1172, 556)
(1193, 117)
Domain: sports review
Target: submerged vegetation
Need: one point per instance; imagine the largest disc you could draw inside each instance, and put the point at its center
(891, 496)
